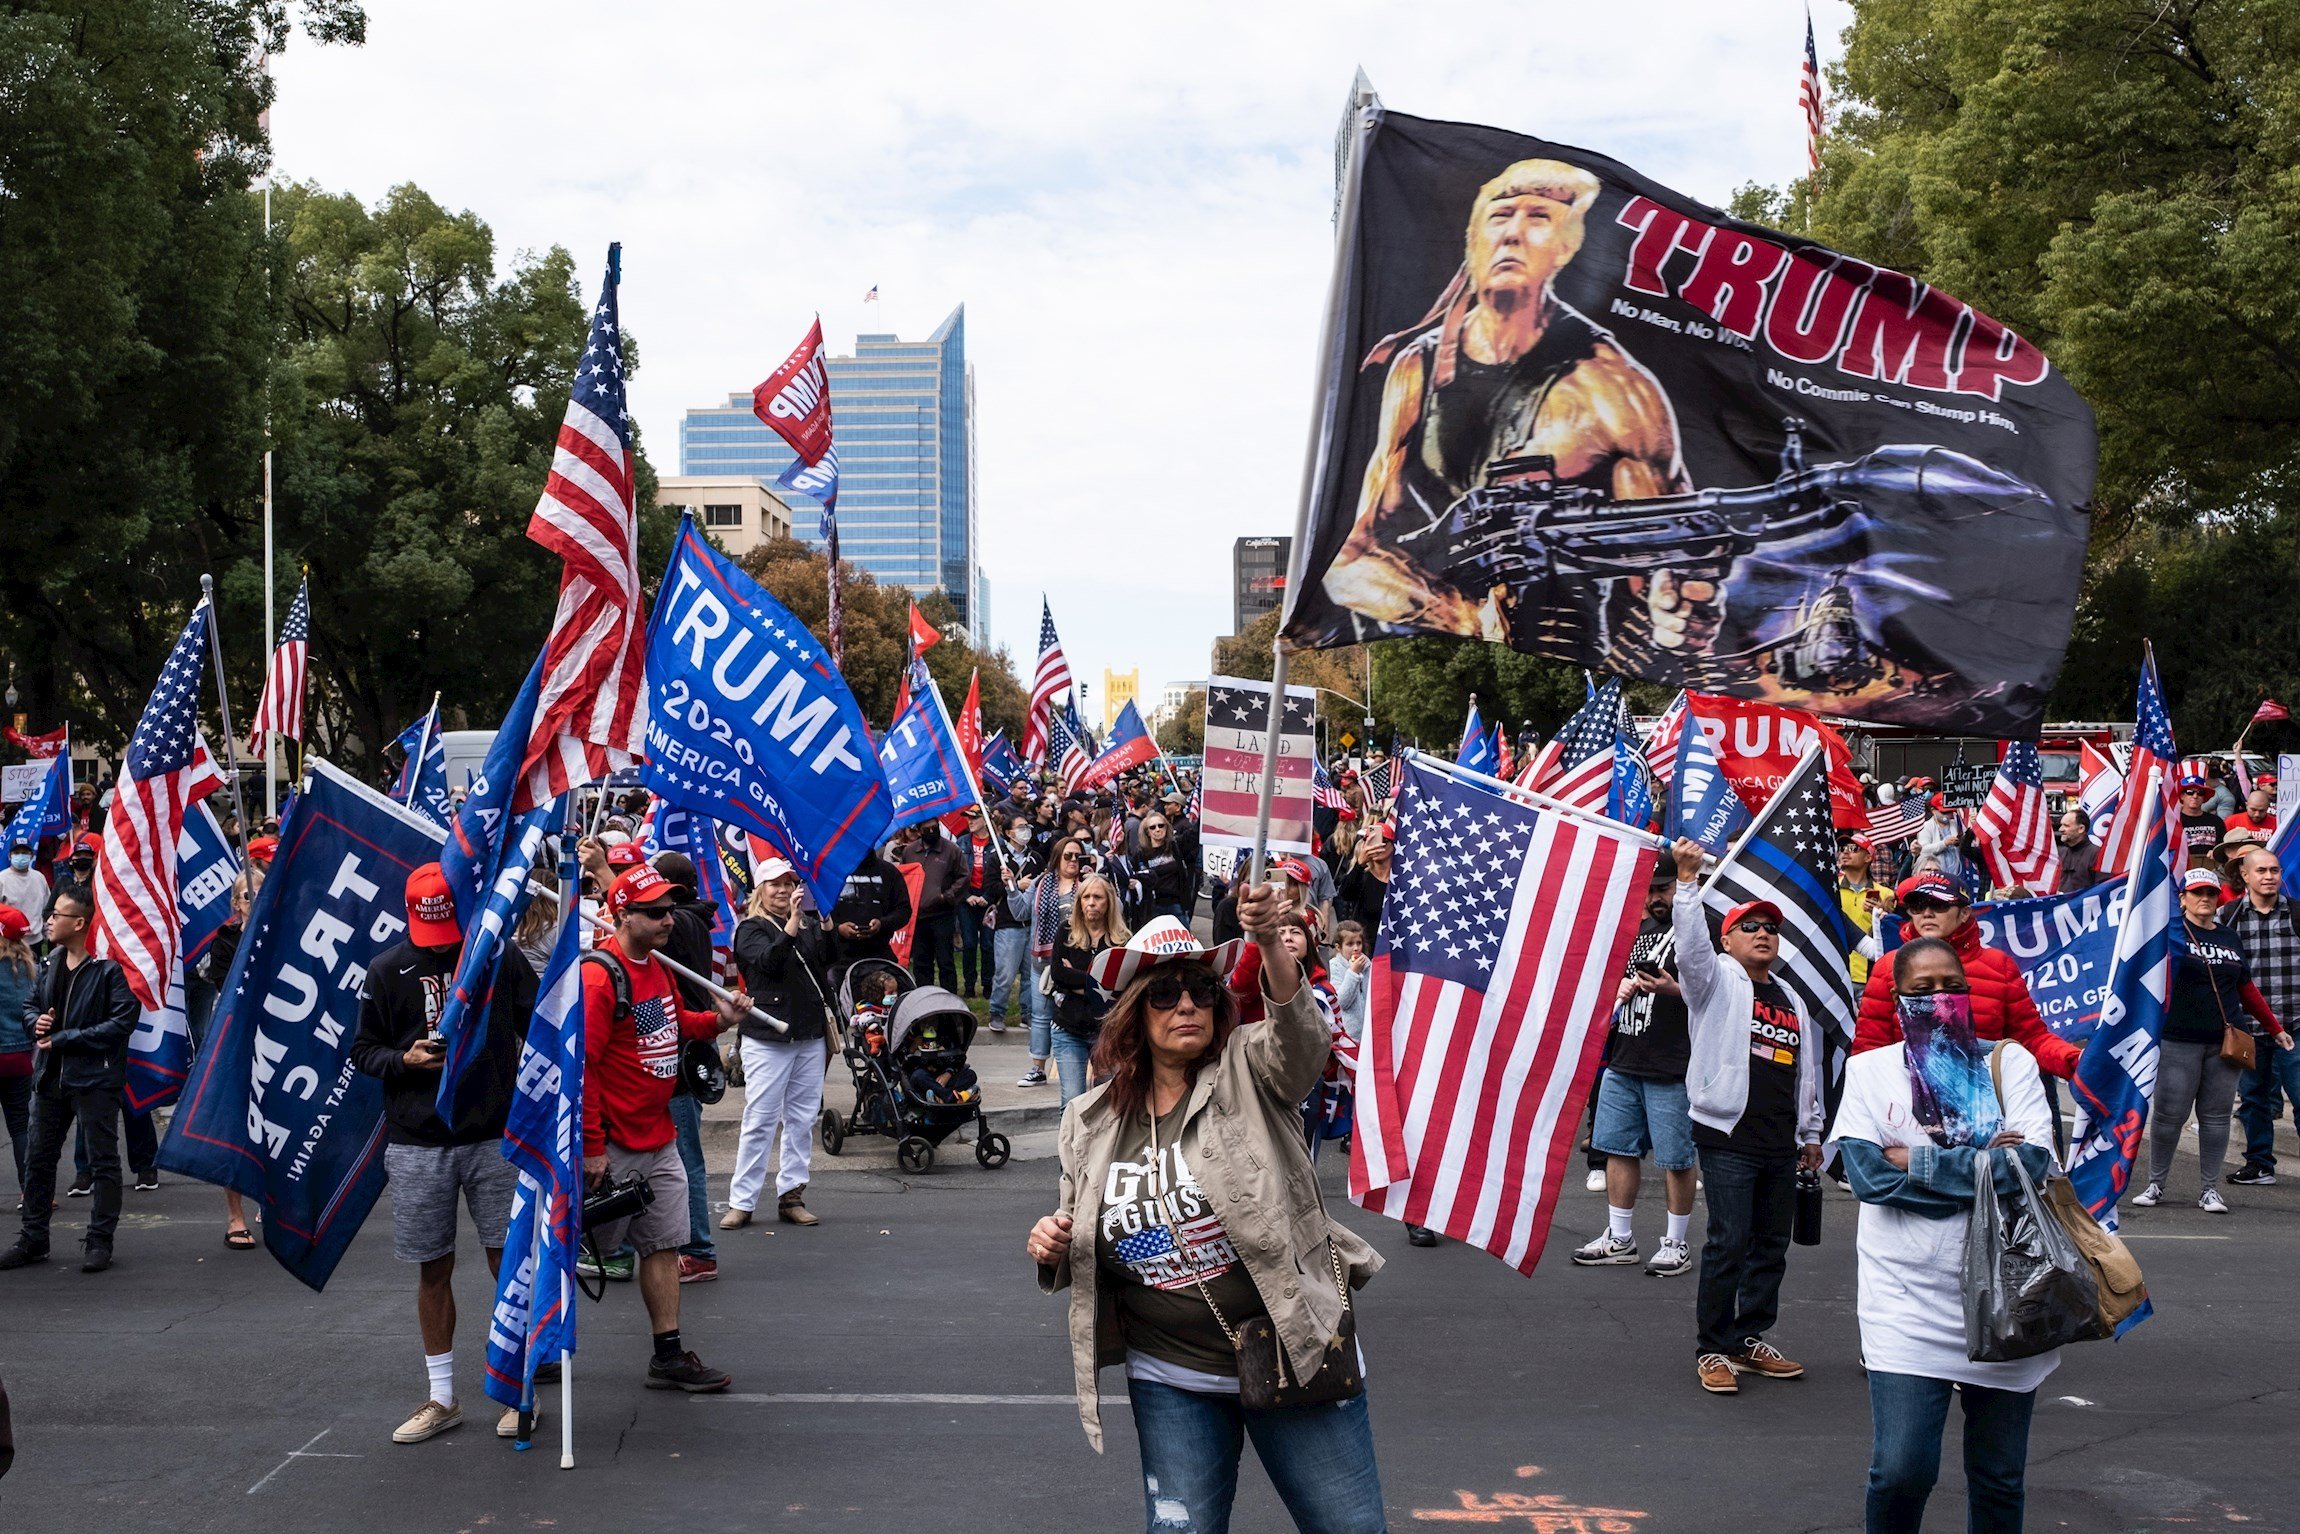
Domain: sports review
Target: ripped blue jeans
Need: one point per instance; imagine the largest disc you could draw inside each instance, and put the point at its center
(1320, 1459)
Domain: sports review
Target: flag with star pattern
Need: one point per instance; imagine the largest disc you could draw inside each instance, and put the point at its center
(1237, 725)
(1789, 856)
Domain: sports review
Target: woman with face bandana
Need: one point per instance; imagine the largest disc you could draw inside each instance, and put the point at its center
(1917, 1114)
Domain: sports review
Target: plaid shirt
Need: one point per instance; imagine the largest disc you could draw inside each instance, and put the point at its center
(2272, 949)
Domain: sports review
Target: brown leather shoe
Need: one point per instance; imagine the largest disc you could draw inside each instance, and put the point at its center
(791, 1208)
(1716, 1375)
(734, 1219)
(1760, 1358)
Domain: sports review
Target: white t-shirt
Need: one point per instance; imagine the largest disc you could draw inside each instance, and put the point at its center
(1912, 1268)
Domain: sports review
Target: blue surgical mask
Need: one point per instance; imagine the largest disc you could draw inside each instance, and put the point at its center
(19, 861)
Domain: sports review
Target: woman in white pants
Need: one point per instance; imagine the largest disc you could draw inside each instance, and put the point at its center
(784, 957)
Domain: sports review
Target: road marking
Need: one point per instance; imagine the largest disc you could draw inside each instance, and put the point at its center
(2073, 1401)
(302, 1453)
(797, 1398)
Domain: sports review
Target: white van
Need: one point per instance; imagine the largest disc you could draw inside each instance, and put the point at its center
(466, 754)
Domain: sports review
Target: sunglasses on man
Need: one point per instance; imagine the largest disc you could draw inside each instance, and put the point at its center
(1758, 924)
(1164, 992)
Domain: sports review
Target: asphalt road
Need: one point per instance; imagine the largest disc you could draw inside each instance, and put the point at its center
(896, 1368)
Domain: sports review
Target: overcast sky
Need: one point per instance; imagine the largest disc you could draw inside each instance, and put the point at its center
(1133, 204)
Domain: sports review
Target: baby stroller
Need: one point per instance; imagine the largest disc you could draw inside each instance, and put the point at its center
(901, 1038)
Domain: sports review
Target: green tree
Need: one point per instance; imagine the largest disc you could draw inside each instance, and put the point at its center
(135, 328)
(418, 405)
(2118, 182)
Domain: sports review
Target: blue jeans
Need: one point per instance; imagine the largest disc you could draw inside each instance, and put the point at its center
(2260, 1100)
(1910, 1410)
(1320, 1458)
(687, 1117)
(1070, 1055)
(1041, 1014)
(1752, 1201)
(1010, 948)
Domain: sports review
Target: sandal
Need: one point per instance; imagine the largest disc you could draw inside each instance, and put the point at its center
(240, 1239)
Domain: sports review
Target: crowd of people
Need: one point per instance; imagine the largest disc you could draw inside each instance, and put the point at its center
(1200, 1079)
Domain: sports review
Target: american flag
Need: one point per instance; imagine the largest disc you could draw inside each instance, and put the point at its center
(1051, 682)
(1661, 750)
(168, 770)
(1375, 781)
(1896, 822)
(2013, 826)
(1809, 97)
(1063, 751)
(1505, 931)
(280, 710)
(1322, 788)
(591, 717)
(2149, 775)
(1577, 767)
(1789, 856)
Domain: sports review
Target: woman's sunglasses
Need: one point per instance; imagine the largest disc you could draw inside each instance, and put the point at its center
(1070, 857)
(1165, 991)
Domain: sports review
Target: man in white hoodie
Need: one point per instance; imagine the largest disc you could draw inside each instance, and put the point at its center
(1754, 1089)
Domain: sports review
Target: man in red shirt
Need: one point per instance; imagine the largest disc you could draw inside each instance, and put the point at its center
(633, 1027)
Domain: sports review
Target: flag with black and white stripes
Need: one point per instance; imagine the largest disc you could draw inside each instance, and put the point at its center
(1789, 856)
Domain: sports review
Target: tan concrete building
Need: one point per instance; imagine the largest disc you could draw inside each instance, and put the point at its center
(742, 511)
(1119, 688)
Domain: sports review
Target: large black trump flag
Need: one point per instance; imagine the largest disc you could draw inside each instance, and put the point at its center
(1582, 415)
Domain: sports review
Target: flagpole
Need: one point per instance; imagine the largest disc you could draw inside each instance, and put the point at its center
(1756, 817)
(711, 986)
(1323, 426)
(423, 747)
(570, 867)
(1540, 800)
(224, 703)
(271, 737)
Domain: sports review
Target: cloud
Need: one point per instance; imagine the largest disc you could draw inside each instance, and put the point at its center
(1132, 204)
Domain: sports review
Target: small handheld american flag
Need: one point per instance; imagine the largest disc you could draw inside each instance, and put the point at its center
(280, 710)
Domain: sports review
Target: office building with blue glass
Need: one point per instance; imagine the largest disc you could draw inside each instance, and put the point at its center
(903, 421)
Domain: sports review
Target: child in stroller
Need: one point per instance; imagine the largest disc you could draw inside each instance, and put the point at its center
(906, 1046)
(935, 1066)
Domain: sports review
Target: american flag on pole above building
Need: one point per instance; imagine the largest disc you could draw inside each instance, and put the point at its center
(2013, 826)
(167, 771)
(280, 710)
(1504, 936)
(1049, 686)
(591, 717)
(1809, 97)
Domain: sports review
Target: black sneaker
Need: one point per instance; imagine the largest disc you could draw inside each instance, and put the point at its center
(2253, 1177)
(81, 1187)
(97, 1259)
(1421, 1235)
(19, 1255)
(688, 1373)
(147, 1181)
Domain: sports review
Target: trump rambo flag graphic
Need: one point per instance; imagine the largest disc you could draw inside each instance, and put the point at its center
(1579, 414)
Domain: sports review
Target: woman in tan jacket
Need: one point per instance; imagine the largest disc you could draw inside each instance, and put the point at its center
(1185, 1170)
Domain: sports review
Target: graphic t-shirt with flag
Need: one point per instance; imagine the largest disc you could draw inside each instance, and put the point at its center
(1159, 1239)
(631, 1064)
(1768, 1125)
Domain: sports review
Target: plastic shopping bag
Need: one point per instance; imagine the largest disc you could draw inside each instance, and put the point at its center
(2027, 1289)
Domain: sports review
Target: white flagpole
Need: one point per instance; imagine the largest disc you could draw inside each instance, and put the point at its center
(997, 843)
(224, 706)
(1756, 819)
(674, 966)
(566, 1395)
(422, 750)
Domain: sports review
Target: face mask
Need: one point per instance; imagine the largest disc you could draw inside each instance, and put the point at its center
(1949, 1087)
(19, 861)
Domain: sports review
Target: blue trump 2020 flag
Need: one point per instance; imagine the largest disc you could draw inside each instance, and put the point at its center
(422, 785)
(274, 1106)
(49, 811)
(1477, 751)
(671, 829)
(1703, 805)
(1000, 765)
(533, 1320)
(751, 724)
(925, 770)
(160, 1050)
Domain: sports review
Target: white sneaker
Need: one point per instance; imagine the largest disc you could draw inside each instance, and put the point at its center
(2212, 1202)
(1670, 1259)
(1606, 1252)
(1596, 1180)
(2150, 1196)
(430, 1420)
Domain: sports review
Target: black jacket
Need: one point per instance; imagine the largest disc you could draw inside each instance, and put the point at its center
(690, 944)
(993, 891)
(943, 884)
(788, 977)
(95, 1013)
(873, 892)
(406, 987)
(1078, 1002)
(1164, 877)
(1026, 866)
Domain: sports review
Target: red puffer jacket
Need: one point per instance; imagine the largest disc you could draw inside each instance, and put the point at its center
(2001, 1005)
